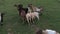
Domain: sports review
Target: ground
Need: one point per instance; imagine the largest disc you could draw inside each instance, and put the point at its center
(12, 22)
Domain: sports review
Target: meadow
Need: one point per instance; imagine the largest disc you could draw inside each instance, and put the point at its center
(50, 18)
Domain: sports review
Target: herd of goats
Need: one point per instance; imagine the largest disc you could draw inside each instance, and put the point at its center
(29, 14)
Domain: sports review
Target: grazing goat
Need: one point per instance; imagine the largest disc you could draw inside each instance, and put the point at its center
(31, 16)
(35, 9)
(22, 11)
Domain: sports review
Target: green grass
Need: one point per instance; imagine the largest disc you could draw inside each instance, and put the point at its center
(49, 19)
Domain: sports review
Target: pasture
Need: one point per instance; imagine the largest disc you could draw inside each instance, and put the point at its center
(49, 19)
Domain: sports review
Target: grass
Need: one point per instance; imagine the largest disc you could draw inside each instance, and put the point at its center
(50, 18)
